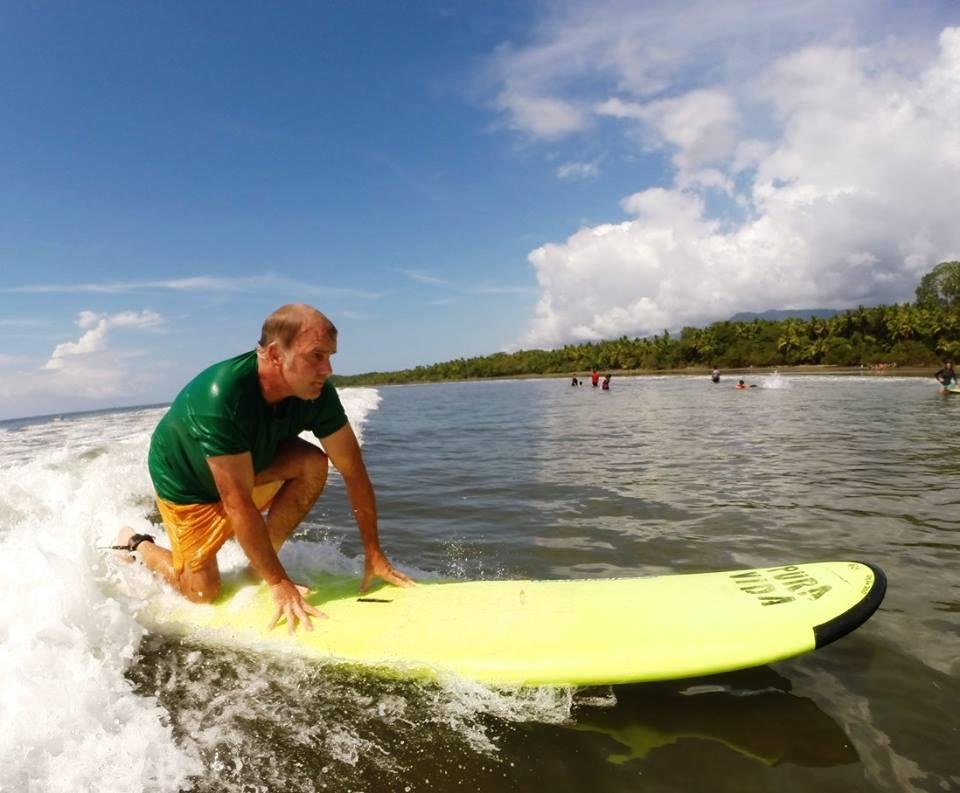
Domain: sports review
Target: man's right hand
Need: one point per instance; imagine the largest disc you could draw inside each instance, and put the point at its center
(291, 606)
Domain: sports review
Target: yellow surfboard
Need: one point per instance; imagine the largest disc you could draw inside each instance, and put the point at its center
(579, 632)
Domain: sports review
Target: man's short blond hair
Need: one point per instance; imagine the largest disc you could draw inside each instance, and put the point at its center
(285, 324)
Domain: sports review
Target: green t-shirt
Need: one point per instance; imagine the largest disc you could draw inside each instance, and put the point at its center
(222, 411)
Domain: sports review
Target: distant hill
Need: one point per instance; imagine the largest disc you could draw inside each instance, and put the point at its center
(775, 315)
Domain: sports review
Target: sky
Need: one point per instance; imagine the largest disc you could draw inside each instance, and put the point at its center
(448, 179)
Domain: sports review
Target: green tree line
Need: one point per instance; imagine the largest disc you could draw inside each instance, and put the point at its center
(905, 334)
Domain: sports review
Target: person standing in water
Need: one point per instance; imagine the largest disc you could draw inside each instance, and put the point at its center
(946, 376)
(715, 375)
(229, 448)
(606, 382)
(595, 378)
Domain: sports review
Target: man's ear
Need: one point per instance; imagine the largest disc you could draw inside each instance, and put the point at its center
(273, 354)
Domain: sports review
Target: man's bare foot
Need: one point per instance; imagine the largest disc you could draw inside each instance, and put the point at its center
(123, 538)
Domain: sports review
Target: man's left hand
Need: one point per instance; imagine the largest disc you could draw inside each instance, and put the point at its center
(378, 567)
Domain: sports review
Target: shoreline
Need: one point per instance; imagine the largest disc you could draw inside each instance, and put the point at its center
(847, 371)
(898, 371)
(746, 371)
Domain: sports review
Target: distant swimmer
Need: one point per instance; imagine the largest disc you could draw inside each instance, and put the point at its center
(715, 375)
(228, 449)
(741, 385)
(574, 382)
(606, 383)
(595, 378)
(946, 376)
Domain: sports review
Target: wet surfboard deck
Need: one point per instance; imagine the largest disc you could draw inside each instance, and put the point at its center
(566, 632)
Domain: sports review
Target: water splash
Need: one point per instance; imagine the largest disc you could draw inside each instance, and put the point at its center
(775, 381)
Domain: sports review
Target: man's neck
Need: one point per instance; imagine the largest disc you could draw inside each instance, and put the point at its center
(272, 385)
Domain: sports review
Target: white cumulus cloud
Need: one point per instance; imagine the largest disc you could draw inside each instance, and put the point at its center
(544, 116)
(839, 166)
(700, 126)
(92, 368)
(97, 327)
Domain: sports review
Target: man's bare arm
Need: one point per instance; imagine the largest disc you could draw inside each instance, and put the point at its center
(234, 477)
(344, 452)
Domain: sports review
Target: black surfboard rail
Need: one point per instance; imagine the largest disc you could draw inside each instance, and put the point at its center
(854, 617)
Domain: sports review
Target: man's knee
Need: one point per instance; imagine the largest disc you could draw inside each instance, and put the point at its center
(296, 459)
(207, 594)
(200, 588)
(315, 465)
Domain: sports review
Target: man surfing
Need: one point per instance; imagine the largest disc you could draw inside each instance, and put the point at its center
(947, 377)
(228, 449)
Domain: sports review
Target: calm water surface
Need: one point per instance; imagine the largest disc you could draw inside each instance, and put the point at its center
(674, 474)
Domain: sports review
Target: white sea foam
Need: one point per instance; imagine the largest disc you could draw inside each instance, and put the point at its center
(775, 381)
(69, 718)
(459, 703)
(358, 404)
(67, 707)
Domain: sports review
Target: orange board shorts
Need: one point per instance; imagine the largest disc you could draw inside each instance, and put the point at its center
(198, 531)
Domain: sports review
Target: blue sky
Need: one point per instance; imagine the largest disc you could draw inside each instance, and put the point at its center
(448, 179)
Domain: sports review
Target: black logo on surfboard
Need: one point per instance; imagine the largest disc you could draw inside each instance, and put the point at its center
(780, 585)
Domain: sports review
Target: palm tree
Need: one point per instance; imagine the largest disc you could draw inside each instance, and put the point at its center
(901, 322)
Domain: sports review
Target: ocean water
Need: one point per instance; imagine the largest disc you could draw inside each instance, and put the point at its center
(507, 480)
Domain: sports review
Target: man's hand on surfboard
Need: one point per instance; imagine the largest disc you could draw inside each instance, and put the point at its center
(377, 566)
(291, 606)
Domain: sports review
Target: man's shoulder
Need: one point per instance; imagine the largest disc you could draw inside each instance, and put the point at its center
(239, 367)
(223, 386)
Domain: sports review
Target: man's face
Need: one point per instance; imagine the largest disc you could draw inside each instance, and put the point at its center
(306, 365)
